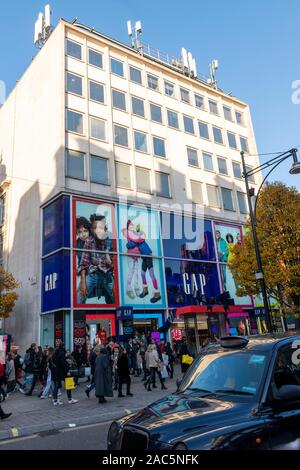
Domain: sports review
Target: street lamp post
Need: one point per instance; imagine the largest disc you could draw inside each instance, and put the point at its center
(273, 163)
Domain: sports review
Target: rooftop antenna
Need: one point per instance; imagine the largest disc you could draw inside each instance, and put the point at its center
(213, 66)
(43, 28)
(134, 34)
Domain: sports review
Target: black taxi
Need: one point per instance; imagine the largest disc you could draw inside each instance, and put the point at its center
(243, 394)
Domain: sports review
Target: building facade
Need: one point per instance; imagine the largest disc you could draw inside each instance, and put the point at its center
(123, 194)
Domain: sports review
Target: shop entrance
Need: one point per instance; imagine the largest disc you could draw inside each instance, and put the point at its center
(144, 327)
(100, 328)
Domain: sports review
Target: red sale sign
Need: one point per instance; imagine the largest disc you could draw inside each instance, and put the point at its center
(176, 334)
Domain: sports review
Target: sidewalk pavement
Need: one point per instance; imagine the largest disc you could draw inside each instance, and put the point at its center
(31, 415)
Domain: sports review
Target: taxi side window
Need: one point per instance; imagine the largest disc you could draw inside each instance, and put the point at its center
(286, 370)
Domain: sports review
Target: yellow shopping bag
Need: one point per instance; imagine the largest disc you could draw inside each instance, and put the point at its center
(69, 383)
(187, 359)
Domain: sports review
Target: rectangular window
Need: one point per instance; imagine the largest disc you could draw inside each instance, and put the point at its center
(135, 75)
(218, 137)
(212, 196)
(159, 147)
(227, 113)
(119, 100)
(96, 92)
(173, 119)
(237, 172)
(169, 89)
(227, 199)
(239, 117)
(123, 175)
(97, 128)
(120, 136)
(203, 130)
(192, 157)
(197, 195)
(152, 82)
(162, 181)
(155, 112)
(213, 107)
(242, 202)
(2, 209)
(74, 122)
(74, 50)
(184, 95)
(117, 67)
(188, 124)
(208, 161)
(250, 178)
(244, 144)
(99, 170)
(95, 59)
(143, 180)
(140, 142)
(199, 102)
(222, 165)
(75, 165)
(74, 84)
(137, 106)
(231, 140)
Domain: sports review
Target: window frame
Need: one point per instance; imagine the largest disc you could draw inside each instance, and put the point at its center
(221, 132)
(161, 113)
(120, 62)
(169, 184)
(229, 191)
(136, 131)
(233, 171)
(157, 89)
(82, 122)
(228, 138)
(210, 101)
(225, 107)
(218, 206)
(199, 184)
(247, 144)
(130, 175)
(90, 49)
(90, 81)
(167, 82)
(139, 99)
(137, 69)
(238, 193)
(225, 160)
(84, 155)
(236, 111)
(211, 159)
(137, 179)
(164, 141)
(82, 87)
(185, 116)
(77, 44)
(188, 148)
(120, 92)
(185, 90)
(114, 136)
(207, 126)
(105, 128)
(177, 116)
(203, 107)
(93, 156)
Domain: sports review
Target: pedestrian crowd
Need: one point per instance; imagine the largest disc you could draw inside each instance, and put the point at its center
(108, 367)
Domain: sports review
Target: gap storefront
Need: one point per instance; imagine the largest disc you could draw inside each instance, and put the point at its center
(114, 269)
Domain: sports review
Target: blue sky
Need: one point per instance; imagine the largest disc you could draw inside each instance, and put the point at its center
(256, 43)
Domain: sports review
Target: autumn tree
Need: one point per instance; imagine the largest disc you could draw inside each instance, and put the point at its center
(8, 296)
(278, 231)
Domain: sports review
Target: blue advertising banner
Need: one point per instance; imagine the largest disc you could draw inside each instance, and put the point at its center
(56, 282)
(190, 282)
(187, 237)
(56, 225)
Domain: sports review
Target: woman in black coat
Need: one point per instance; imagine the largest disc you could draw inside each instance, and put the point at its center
(103, 375)
(123, 372)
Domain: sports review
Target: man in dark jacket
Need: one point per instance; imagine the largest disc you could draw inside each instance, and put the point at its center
(123, 372)
(92, 362)
(32, 366)
(59, 371)
(103, 376)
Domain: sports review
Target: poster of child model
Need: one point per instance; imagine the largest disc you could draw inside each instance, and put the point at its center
(227, 236)
(141, 272)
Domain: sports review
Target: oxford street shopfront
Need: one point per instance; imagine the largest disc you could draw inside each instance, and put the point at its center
(119, 270)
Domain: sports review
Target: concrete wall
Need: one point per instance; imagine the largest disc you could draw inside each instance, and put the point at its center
(31, 144)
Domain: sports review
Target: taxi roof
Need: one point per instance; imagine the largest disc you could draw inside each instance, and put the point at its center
(265, 342)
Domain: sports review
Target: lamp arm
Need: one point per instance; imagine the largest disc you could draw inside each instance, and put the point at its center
(263, 182)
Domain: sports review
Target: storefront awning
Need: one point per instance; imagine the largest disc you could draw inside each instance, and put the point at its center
(194, 309)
